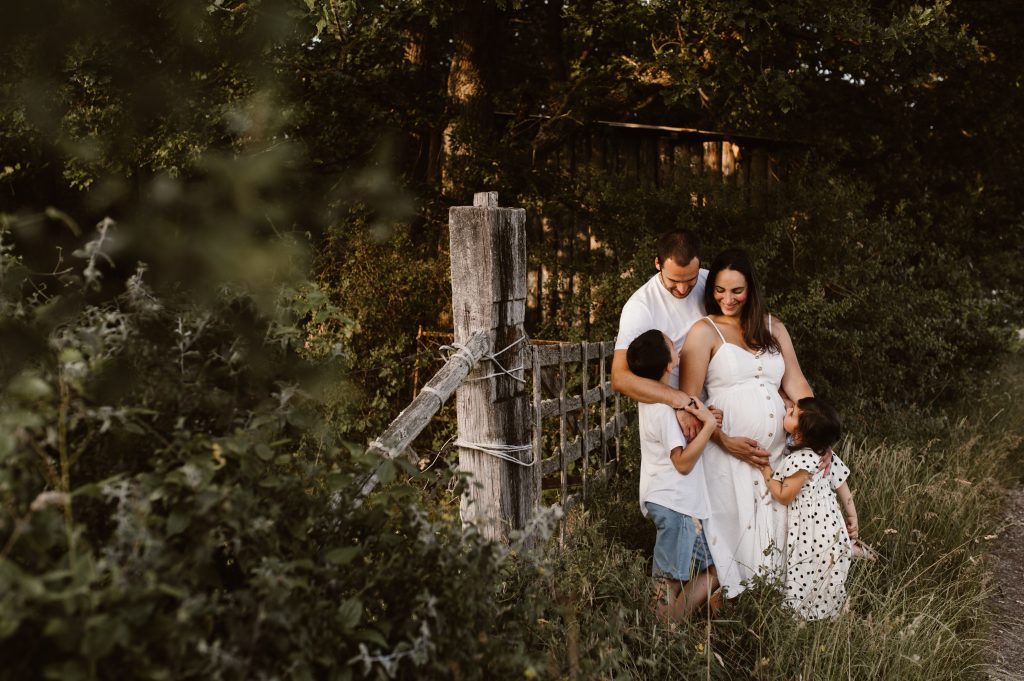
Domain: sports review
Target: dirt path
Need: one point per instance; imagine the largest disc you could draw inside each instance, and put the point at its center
(1007, 601)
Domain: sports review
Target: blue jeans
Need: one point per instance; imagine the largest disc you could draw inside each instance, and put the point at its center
(680, 551)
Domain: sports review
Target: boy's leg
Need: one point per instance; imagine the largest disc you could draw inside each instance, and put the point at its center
(666, 591)
(667, 564)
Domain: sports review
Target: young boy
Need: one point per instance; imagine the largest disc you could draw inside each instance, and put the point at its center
(672, 490)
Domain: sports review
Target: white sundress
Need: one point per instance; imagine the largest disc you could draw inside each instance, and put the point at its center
(746, 529)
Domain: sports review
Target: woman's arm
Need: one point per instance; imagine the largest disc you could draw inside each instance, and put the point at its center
(849, 510)
(695, 357)
(794, 384)
(784, 491)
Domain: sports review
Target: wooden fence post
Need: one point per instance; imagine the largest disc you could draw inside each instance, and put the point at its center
(488, 257)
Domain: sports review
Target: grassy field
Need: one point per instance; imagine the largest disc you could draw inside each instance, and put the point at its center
(929, 487)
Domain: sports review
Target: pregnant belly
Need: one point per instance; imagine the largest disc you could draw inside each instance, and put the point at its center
(755, 413)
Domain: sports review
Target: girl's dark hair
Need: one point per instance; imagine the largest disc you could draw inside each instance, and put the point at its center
(648, 356)
(819, 425)
(755, 333)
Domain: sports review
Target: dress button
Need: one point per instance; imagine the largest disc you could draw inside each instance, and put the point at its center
(767, 397)
(770, 434)
(771, 416)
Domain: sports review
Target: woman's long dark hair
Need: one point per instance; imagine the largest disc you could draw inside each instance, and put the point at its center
(755, 332)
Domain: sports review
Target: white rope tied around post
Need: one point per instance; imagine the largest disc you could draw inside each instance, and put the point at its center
(504, 452)
(493, 357)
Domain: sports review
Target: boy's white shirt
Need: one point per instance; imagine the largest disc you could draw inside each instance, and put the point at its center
(660, 482)
(653, 307)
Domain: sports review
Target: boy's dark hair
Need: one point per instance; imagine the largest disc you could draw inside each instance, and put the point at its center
(819, 425)
(680, 245)
(648, 356)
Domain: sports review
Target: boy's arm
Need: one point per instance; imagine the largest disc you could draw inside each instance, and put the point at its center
(784, 491)
(685, 458)
(849, 510)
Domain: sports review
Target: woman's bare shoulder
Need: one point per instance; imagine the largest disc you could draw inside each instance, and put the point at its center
(700, 334)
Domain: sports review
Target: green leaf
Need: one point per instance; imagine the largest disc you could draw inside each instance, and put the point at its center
(342, 555)
(371, 636)
(349, 613)
(29, 387)
(264, 451)
(176, 522)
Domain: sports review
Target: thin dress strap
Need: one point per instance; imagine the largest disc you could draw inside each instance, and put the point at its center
(715, 327)
(769, 322)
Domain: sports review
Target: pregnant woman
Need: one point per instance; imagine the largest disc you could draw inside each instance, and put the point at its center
(743, 356)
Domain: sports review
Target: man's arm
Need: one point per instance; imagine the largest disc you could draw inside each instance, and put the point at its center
(643, 389)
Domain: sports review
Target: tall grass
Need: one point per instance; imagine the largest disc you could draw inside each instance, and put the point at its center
(929, 498)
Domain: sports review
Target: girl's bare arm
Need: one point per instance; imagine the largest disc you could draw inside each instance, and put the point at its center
(784, 491)
(849, 510)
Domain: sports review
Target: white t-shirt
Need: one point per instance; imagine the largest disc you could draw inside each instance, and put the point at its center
(652, 307)
(660, 482)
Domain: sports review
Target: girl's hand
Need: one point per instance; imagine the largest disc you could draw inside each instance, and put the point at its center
(766, 471)
(698, 409)
(851, 526)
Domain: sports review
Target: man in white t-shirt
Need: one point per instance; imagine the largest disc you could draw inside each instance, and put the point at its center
(671, 301)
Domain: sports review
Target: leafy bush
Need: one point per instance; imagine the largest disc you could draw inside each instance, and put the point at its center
(178, 502)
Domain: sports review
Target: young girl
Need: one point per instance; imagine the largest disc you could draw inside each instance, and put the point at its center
(818, 543)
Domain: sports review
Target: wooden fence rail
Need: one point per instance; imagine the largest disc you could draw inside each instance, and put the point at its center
(414, 418)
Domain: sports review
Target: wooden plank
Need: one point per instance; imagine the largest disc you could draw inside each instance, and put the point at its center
(585, 421)
(605, 387)
(538, 422)
(551, 355)
(415, 417)
(665, 159)
(730, 152)
(562, 433)
(556, 406)
(713, 158)
(597, 393)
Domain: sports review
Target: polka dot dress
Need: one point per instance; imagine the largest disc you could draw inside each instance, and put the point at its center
(817, 556)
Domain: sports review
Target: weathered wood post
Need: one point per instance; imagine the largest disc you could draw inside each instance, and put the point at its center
(488, 254)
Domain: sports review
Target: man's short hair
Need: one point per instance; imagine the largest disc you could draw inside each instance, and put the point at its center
(680, 245)
(648, 356)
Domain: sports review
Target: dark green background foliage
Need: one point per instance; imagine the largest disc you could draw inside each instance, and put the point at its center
(187, 387)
